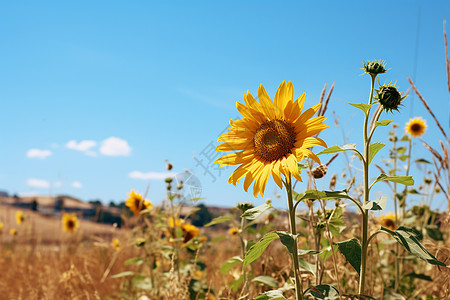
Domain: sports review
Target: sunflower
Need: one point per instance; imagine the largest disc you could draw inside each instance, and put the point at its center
(70, 222)
(270, 138)
(20, 217)
(116, 244)
(416, 127)
(189, 232)
(387, 221)
(1, 227)
(137, 203)
(233, 231)
(13, 231)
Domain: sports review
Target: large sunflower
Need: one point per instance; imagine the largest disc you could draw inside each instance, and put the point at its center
(271, 138)
(416, 127)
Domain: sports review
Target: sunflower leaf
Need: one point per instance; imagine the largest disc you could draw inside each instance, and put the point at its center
(351, 249)
(315, 195)
(257, 249)
(266, 280)
(306, 266)
(221, 219)
(383, 123)
(230, 263)
(362, 106)
(287, 239)
(406, 180)
(271, 295)
(378, 204)
(324, 291)
(373, 149)
(405, 237)
(336, 148)
(253, 213)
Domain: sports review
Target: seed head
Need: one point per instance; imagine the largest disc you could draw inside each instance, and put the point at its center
(319, 171)
(374, 67)
(389, 97)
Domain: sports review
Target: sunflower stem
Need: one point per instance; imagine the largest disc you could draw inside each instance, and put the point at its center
(297, 275)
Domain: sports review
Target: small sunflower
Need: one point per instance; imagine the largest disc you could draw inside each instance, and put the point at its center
(116, 244)
(137, 203)
(271, 138)
(174, 223)
(20, 217)
(1, 227)
(387, 221)
(416, 127)
(233, 231)
(70, 222)
(13, 231)
(189, 232)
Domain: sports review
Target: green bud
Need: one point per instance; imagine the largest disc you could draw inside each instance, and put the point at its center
(168, 180)
(244, 206)
(389, 97)
(374, 67)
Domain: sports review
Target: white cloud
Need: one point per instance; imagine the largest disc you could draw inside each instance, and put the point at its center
(37, 153)
(83, 146)
(150, 175)
(77, 185)
(57, 184)
(38, 183)
(114, 146)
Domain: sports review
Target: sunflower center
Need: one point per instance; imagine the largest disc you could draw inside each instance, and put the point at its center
(416, 127)
(273, 140)
(70, 224)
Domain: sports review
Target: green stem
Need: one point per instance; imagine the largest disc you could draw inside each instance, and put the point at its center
(396, 219)
(298, 279)
(365, 214)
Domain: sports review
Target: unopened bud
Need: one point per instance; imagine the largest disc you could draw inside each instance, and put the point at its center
(319, 171)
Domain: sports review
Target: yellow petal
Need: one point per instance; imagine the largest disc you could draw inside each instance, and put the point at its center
(276, 174)
(251, 102)
(237, 174)
(266, 104)
(308, 114)
(265, 174)
(254, 169)
(235, 158)
(293, 167)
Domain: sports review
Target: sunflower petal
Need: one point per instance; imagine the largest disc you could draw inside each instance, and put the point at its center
(266, 104)
(265, 174)
(293, 167)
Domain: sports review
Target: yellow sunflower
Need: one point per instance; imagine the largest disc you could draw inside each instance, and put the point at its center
(387, 221)
(13, 231)
(137, 203)
(416, 127)
(116, 244)
(271, 138)
(189, 232)
(1, 227)
(20, 217)
(233, 231)
(70, 222)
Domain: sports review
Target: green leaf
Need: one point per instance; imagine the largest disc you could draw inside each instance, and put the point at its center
(362, 106)
(305, 266)
(336, 148)
(221, 219)
(143, 283)
(123, 274)
(255, 212)
(336, 221)
(351, 249)
(401, 150)
(383, 123)
(434, 232)
(310, 252)
(219, 239)
(271, 295)
(422, 161)
(195, 199)
(409, 241)
(403, 157)
(373, 149)
(378, 204)
(314, 195)
(302, 166)
(404, 138)
(419, 276)
(134, 261)
(230, 263)
(406, 180)
(235, 284)
(324, 291)
(266, 280)
(257, 249)
(287, 239)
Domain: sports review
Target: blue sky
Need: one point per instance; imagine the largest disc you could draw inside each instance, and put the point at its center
(105, 89)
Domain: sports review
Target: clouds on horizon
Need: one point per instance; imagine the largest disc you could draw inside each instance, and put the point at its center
(150, 175)
(38, 153)
(112, 146)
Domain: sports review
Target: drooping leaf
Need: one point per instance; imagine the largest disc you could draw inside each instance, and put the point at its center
(351, 249)
(230, 263)
(378, 204)
(336, 221)
(255, 212)
(266, 280)
(408, 240)
(422, 161)
(306, 266)
(419, 276)
(134, 261)
(123, 274)
(406, 180)
(287, 239)
(257, 249)
(271, 295)
(314, 195)
(362, 106)
(336, 148)
(221, 219)
(324, 291)
(373, 149)
(383, 123)
(434, 232)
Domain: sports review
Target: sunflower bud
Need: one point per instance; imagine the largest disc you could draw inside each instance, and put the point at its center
(169, 166)
(374, 67)
(389, 97)
(319, 171)
(244, 206)
(168, 180)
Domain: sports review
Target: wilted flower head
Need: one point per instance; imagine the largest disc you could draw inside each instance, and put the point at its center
(389, 97)
(20, 217)
(70, 222)
(374, 67)
(416, 127)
